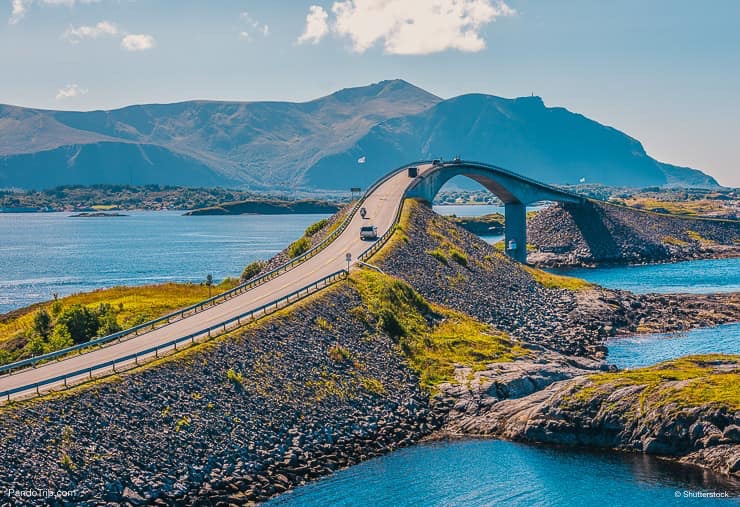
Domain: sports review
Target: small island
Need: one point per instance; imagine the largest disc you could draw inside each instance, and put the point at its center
(98, 214)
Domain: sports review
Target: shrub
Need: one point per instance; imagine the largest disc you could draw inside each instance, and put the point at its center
(298, 247)
(81, 322)
(42, 323)
(314, 228)
(253, 269)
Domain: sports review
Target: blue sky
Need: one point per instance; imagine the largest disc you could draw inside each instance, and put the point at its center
(665, 71)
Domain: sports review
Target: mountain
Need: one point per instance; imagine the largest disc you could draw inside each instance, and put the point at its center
(316, 144)
(548, 144)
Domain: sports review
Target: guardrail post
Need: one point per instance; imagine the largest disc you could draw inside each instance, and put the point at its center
(65, 382)
(37, 390)
(136, 359)
(156, 353)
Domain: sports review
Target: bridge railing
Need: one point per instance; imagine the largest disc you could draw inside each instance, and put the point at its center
(207, 332)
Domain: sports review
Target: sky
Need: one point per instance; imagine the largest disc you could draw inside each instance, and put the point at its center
(666, 72)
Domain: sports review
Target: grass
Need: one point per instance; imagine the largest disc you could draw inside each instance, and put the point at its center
(339, 354)
(696, 208)
(434, 339)
(686, 382)
(552, 281)
(459, 257)
(439, 254)
(234, 377)
(670, 240)
(131, 305)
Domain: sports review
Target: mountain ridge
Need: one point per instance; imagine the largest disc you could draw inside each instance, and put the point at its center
(315, 144)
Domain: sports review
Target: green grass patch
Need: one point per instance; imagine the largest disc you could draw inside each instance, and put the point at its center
(433, 338)
(339, 354)
(22, 335)
(687, 382)
(439, 254)
(670, 240)
(459, 257)
(552, 281)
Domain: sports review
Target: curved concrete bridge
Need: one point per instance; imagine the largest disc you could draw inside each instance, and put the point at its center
(514, 190)
(382, 204)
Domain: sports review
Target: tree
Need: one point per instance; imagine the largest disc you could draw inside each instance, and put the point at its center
(107, 320)
(42, 323)
(209, 283)
(81, 322)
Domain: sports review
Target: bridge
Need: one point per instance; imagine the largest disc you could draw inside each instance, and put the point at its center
(321, 266)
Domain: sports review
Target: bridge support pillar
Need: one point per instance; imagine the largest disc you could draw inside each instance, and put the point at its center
(516, 231)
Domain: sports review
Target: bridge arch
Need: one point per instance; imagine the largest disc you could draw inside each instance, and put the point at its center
(514, 190)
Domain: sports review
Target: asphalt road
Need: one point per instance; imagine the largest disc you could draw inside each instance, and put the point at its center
(381, 206)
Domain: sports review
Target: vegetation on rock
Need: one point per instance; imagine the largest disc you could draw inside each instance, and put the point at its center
(434, 338)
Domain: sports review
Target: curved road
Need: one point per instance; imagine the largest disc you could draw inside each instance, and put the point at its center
(381, 206)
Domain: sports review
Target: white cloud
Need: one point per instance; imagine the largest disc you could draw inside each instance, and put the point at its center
(317, 25)
(70, 91)
(137, 42)
(407, 27)
(20, 7)
(253, 26)
(76, 34)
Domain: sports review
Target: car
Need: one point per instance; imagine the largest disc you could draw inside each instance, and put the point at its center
(436, 162)
(368, 232)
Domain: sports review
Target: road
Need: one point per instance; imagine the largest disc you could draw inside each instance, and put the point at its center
(381, 206)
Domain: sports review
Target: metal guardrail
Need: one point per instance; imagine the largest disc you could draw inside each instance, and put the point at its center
(208, 332)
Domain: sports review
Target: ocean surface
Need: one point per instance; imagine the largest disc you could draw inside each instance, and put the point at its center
(644, 350)
(43, 253)
(715, 275)
(475, 473)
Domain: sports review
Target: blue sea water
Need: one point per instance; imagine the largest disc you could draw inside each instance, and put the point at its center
(475, 473)
(43, 253)
(644, 350)
(696, 277)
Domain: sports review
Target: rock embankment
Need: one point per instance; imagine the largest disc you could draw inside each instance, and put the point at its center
(238, 420)
(454, 268)
(598, 233)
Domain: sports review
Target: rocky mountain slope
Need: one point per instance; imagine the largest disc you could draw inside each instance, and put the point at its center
(316, 144)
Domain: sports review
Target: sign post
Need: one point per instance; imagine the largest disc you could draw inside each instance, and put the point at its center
(348, 258)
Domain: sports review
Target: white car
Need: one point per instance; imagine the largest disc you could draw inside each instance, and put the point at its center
(368, 232)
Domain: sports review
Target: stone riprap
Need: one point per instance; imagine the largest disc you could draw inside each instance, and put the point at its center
(566, 235)
(242, 419)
